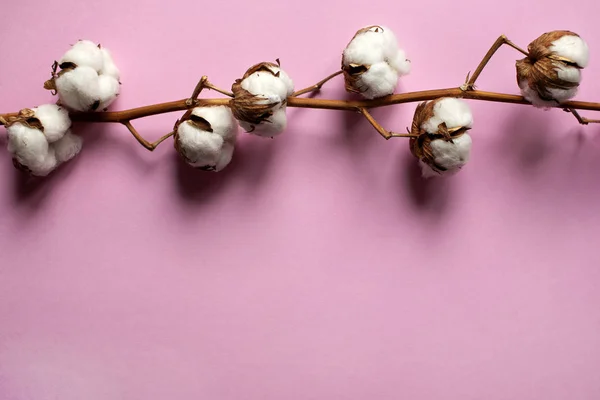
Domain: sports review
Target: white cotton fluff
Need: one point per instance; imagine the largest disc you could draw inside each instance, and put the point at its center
(31, 149)
(454, 112)
(451, 155)
(204, 149)
(377, 49)
(534, 98)
(42, 151)
(67, 147)
(573, 48)
(55, 120)
(94, 83)
(274, 90)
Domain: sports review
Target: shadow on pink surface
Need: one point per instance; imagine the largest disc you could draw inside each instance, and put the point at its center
(249, 165)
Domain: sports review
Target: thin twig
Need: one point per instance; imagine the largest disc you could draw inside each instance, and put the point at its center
(147, 145)
(382, 131)
(199, 86)
(216, 89)
(202, 84)
(316, 86)
(470, 83)
(404, 135)
(580, 119)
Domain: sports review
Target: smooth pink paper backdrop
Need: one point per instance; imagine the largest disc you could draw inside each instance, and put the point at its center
(318, 265)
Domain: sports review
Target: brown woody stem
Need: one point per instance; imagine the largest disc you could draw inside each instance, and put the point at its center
(318, 85)
(125, 117)
(470, 83)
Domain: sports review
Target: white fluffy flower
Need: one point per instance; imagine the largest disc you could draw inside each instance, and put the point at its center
(373, 62)
(260, 99)
(39, 139)
(552, 72)
(206, 139)
(88, 79)
(442, 146)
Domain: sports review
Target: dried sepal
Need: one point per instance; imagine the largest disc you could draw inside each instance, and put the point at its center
(372, 62)
(65, 67)
(25, 117)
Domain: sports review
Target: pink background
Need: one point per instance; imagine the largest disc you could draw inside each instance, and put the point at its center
(318, 265)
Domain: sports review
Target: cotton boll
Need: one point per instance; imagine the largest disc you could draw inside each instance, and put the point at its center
(441, 142)
(206, 137)
(373, 63)
(67, 147)
(551, 73)
(259, 99)
(88, 79)
(84, 53)
(30, 148)
(573, 48)
(54, 119)
(108, 67)
(453, 112)
(79, 89)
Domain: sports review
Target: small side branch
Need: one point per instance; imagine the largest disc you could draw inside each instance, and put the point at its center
(382, 131)
(316, 86)
(147, 145)
(203, 83)
(580, 119)
(502, 40)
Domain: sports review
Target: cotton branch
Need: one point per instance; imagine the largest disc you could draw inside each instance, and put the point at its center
(126, 116)
(325, 104)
